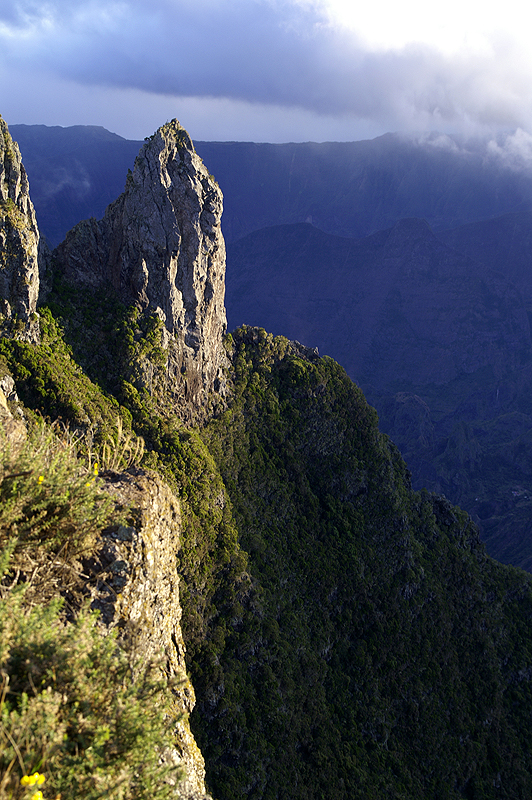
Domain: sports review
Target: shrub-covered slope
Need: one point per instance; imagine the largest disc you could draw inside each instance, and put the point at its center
(86, 715)
(385, 654)
(347, 637)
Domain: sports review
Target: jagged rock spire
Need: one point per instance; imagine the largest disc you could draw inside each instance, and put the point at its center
(19, 245)
(161, 247)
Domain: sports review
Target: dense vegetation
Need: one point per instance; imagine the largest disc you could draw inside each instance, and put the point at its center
(379, 659)
(81, 714)
(346, 637)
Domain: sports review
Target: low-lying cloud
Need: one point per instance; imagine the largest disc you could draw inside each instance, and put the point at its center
(511, 151)
(269, 52)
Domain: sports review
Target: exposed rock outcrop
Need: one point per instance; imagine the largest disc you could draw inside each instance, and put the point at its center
(161, 247)
(19, 245)
(136, 590)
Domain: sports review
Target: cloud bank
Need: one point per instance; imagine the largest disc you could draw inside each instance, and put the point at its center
(279, 54)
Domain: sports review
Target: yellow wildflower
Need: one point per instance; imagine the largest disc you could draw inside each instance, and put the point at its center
(37, 796)
(40, 479)
(31, 780)
(94, 475)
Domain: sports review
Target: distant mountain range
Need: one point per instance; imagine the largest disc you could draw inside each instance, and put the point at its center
(344, 188)
(407, 261)
(74, 172)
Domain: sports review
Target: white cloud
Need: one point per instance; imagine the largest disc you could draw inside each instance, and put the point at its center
(461, 26)
(513, 151)
(392, 65)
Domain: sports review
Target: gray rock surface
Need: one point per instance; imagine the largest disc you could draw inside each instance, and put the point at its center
(19, 245)
(135, 586)
(160, 246)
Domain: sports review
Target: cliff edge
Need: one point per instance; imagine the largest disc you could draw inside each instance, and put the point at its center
(136, 590)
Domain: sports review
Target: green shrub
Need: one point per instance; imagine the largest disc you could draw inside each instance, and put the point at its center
(78, 709)
(47, 496)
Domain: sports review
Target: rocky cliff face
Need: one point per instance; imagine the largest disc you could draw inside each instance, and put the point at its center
(137, 591)
(19, 245)
(161, 248)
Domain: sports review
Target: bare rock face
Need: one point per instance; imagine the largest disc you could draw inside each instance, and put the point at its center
(135, 586)
(161, 247)
(19, 245)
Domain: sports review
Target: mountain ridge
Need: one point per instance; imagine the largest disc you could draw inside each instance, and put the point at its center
(373, 182)
(463, 165)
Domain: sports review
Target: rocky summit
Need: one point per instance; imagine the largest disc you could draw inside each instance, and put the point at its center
(160, 246)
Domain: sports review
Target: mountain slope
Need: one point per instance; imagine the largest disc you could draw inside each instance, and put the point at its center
(364, 677)
(504, 244)
(347, 637)
(397, 308)
(365, 645)
(436, 334)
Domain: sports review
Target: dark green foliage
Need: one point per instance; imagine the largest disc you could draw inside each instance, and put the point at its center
(109, 340)
(50, 381)
(366, 646)
(377, 658)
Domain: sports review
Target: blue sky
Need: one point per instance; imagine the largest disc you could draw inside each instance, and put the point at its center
(267, 70)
